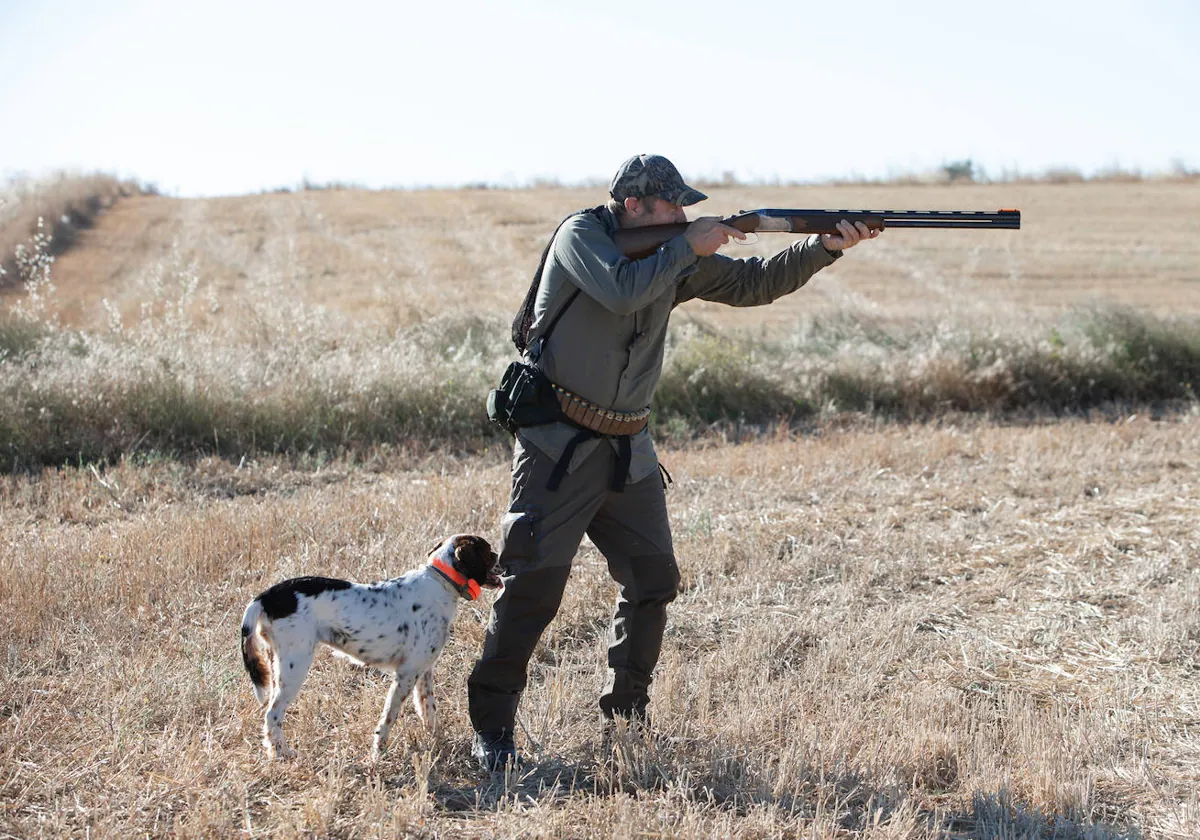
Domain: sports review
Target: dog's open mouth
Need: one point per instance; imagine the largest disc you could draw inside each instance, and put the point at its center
(494, 580)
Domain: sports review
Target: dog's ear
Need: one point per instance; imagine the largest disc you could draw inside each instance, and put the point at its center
(469, 557)
(476, 558)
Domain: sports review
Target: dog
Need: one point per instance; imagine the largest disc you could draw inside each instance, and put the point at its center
(398, 625)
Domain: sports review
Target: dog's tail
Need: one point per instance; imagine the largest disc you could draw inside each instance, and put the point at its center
(253, 655)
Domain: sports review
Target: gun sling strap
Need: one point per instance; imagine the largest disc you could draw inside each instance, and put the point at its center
(523, 321)
(591, 420)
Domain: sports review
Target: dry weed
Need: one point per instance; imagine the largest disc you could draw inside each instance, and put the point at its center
(960, 629)
(968, 631)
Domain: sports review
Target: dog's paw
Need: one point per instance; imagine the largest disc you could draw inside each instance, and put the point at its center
(281, 752)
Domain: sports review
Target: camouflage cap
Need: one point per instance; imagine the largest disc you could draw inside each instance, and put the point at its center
(644, 175)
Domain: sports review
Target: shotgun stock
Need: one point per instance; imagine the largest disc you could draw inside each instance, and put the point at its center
(636, 243)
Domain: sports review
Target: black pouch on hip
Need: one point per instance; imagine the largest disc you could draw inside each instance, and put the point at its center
(525, 398)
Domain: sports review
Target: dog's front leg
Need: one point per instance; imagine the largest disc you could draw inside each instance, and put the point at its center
(391, 710)
(423, 702)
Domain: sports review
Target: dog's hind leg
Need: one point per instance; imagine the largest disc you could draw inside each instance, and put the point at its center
(400, 687)
(291, 667)
(422, 697)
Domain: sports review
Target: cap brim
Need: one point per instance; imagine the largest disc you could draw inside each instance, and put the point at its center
(686, 197)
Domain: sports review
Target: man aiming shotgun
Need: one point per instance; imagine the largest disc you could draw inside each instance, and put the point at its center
(592, 333)
(644, 241)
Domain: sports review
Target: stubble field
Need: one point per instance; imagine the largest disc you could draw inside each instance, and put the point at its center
(974, 626)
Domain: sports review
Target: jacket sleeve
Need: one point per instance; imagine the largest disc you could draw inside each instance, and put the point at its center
(756, 281)
(590, 257)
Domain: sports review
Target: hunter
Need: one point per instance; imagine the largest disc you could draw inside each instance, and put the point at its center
(594, 324)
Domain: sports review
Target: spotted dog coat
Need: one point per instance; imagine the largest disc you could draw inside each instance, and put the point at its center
(398, 625)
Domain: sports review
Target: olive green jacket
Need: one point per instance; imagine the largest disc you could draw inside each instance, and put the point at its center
(608, 345)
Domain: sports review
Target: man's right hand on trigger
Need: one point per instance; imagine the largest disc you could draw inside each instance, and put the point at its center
(707, 234)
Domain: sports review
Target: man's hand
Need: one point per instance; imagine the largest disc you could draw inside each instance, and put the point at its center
(848, 236)
(707, 234)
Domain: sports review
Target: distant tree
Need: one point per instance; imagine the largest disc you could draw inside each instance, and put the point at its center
(1180, 169)
(959, 170)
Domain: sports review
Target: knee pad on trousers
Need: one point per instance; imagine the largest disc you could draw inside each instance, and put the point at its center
(656, 578)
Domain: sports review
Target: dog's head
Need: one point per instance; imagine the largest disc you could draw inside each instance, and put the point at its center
(473, 558)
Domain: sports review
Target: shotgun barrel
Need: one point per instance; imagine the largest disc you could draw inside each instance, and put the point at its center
(642, 242)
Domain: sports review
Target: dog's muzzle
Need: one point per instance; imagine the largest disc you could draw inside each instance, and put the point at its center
(495, 573)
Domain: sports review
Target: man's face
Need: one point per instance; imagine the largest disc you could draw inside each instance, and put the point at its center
(652, 210)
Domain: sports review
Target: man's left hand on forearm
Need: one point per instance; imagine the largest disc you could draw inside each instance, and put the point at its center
(848, 236)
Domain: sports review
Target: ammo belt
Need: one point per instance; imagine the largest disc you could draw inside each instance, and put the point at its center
(602, 421)
(594, 421)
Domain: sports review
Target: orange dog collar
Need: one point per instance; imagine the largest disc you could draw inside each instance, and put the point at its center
(466, 587)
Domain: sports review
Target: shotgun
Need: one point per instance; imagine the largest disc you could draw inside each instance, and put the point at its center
(636, 243)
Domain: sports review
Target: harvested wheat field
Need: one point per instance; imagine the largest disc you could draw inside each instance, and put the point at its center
(965, 605)
(400, 257)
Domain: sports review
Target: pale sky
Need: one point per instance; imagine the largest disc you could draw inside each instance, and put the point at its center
(223, 97)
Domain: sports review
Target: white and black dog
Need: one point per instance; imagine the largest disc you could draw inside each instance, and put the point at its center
(397, 625)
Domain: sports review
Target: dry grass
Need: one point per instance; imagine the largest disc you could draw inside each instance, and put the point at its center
(398, 258)
(332, 336)
(892, 632)
(59, 207)
(954, 629)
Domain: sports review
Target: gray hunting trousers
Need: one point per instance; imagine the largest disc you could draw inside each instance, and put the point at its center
(542, 532)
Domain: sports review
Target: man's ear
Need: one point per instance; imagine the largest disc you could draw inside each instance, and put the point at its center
(633, 206)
